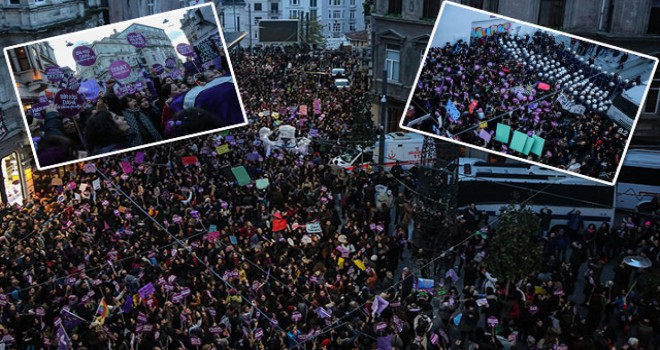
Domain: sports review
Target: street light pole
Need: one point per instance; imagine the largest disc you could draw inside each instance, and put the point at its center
(383, 112)
(250, 25)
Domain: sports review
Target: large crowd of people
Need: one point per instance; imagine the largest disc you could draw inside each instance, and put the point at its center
(150, 250)
(497, 79)
(204, 99)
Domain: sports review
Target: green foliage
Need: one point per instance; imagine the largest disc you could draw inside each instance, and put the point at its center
(513, 252)
(315, 34)
(363, 131)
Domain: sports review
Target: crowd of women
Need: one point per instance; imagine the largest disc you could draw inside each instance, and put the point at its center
(165, 248)
(517, 81)
(116, 120)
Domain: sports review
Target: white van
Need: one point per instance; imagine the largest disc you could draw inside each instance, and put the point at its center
(406, 148)
(342, 83)
(638, 184)
(624, 108)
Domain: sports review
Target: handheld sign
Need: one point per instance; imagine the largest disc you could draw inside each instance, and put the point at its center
(170, 63)
(147, 290)
(68, 102)
(492, 321)
(158, 68)
(136, 39)
(296, 316)
(54, 74)
(185, 49)
(120, 69)
(84, 56)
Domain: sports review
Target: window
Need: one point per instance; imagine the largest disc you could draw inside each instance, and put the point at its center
(551, 13)
(37, 59)
(336, 27)
(15, 2)
(293, 2)
(392, 62)
(274, 7)
(238, 23)
(654, 20)
(256, 20)
(312, 3)
(352, 2)
(293, 14)
(431, 8)
(351, 27)
(257, 6)
(312, 14)
(21, 61)
(394, 7)
(336, 2)
(336, 14)
(653, 97)
(351, 14)
(475, 3)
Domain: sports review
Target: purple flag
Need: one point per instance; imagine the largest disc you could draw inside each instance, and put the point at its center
(128, 305)
(379, 305)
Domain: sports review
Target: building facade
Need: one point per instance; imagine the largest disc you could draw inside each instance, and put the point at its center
(400, 32)
(24, 21)
(199, 25)
(397, 26)
(116, 47)
(119, 10)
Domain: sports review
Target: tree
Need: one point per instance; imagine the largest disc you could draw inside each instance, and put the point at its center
(363, 131)
(513, 252)
(315, 32)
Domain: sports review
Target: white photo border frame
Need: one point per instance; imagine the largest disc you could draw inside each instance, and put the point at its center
(81, 160)
(421, 66)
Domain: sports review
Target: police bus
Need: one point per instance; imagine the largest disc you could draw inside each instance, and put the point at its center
(638, 184)
(492, 186)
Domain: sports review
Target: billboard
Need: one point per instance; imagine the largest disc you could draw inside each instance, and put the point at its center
(279, 30)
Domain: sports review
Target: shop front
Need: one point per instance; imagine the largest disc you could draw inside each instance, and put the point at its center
(12, 189)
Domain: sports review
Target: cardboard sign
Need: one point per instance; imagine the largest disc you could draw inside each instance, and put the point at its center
(502, 133)
(120, 69)
(518, 141)
(176, 298)
(147, 290)
(215, 330)
(136, 39)
(258, 334)
(492, 321)
(184, 49)
(84, 56)
(241, 175)
(296, 316)
(453, 112)
(170, 63)
(54, 74)
(195, 341)
(222, 149)
(68, 102)
(185, 292)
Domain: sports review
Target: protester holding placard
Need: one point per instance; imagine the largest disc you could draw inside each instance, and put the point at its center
(530, 83)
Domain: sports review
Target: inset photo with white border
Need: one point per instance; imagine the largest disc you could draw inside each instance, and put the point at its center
(529, 93)
(125, 86)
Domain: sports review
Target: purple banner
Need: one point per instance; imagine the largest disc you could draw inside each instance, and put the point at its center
(84, 56)
(54, 74)
(158, 68)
